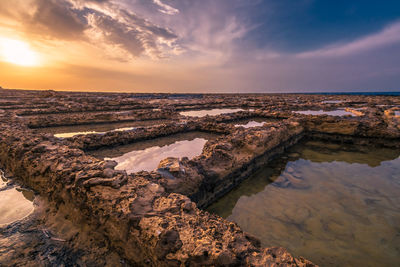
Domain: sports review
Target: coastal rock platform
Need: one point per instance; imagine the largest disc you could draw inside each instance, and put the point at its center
(90, 213)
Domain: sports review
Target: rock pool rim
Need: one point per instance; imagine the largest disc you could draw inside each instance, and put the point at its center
(21, 199)
(312, 144)
(87, 187)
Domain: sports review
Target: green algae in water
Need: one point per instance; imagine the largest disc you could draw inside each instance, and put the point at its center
(337, 205)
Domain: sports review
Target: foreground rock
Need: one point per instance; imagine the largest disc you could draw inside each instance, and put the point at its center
(141, 221)
(152, 218)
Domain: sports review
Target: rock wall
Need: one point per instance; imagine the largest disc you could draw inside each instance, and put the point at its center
(228, 160)
(38, 121)
(144, 223)
(150, 218)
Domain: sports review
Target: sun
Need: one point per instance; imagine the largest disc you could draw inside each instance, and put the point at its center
(17, 52)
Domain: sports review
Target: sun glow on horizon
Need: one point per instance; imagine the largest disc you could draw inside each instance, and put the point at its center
(18, 52)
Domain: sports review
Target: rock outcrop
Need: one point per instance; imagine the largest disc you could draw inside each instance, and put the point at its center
(153, 218)
(143, 223)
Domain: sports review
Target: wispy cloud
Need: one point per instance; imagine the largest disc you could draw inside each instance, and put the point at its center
(166, 8)
(102, 22)
(207, 45)
(208, 30)
(389, 35)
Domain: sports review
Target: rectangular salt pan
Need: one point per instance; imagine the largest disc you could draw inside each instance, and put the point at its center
(250, 124)
(70, 131)
(338, 112)
(210, 112)
(146, 155)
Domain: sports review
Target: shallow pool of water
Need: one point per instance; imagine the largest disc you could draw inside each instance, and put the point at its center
(146, 155)
(335, 205)
(332, 101)
(15, 203)
(252, 122)
(70, 131)
(338, 112)
(210, 112)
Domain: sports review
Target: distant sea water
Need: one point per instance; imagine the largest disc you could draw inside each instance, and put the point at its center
(201, 95)
(357, 93)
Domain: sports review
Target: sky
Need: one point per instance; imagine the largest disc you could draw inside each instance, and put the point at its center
(200, 46)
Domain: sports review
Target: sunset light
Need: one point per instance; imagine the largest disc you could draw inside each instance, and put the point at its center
(17, 52)
(199, 133)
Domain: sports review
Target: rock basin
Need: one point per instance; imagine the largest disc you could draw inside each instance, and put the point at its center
(337, 205)
(209, 112)
(338, 112)
(146, 155)
(15, 203)
(148, 219)
(250, 123)
(70, 131)
(332, 101)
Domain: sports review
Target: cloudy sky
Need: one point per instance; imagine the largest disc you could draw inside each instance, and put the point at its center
(200, 45)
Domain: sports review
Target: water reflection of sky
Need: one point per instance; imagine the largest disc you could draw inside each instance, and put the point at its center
(335, 207)
(67, 135)
(338, 112)
(250, 124)
(15, 203)
(70, 131)
(332, 101)
(149, 158)
(210, 112)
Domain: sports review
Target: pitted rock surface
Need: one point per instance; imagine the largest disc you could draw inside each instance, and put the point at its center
(152, 218)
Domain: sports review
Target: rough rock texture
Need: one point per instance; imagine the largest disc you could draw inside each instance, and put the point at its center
(142, 222)
(391, 119)
(95, 141)
(152, 218)
(55, 236)
(226, 161)
(37, 121)
(238, 152)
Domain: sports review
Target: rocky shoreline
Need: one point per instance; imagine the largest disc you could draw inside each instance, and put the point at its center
(155, 218)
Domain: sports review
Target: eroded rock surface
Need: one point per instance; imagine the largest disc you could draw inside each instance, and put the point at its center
(141, 221)
(152, 218)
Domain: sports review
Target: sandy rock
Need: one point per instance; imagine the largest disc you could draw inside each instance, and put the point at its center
(170, 164)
